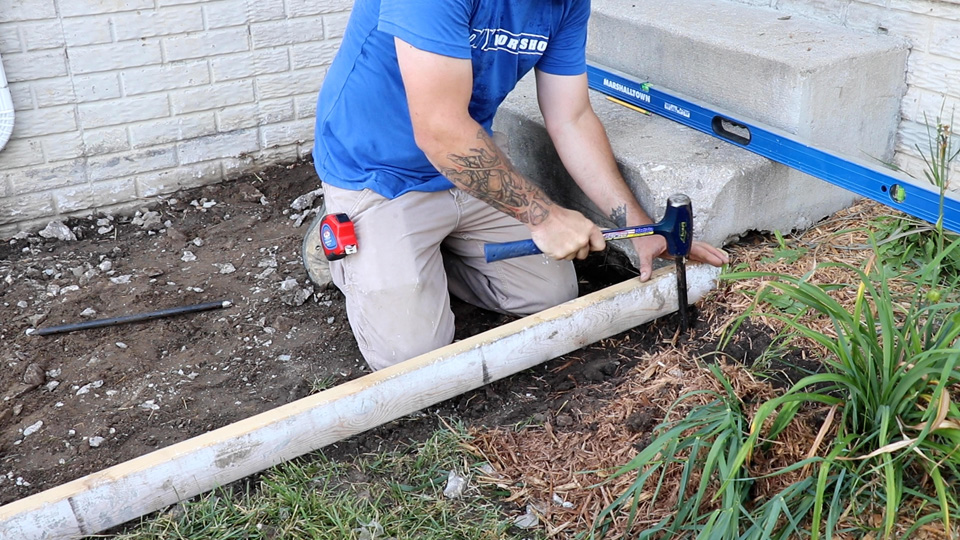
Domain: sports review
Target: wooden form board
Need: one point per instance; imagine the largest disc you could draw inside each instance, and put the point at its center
(151, 482)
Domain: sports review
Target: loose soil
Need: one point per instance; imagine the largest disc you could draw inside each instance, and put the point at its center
(79, 402)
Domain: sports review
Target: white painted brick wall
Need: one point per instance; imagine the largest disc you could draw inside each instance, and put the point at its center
(117, 102)
(125, 100)
(933, 67)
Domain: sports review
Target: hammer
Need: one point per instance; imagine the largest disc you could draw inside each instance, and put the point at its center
(676, 226)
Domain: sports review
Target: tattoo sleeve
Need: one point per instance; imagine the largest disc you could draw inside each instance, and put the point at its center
(487, 174)
(619, 215)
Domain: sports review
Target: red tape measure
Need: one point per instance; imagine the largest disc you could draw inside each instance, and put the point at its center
(337, 236)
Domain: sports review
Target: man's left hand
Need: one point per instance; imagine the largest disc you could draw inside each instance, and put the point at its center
(650, 247)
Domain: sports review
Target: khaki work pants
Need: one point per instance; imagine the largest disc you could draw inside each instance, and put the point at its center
(416, 249)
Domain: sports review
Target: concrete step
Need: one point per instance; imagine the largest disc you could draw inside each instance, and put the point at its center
(834, 88)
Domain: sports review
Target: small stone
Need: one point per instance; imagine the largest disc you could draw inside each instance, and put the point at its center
(289, 284)
(149, 405)
(22, 305)
(284, 358)
(95, 441)
(33, 428)
(306, 200)
(89, 312)
(121, 345)
(56, 229)
(69, 289)
(85, 389)
(188, 256)
(105, 265)
(34, 375)
(51, 386)
(54, 373)
(153, 272)
(330, 320)
(105, 230)
(226, 268)
(53, 289)
(121, 280)
(17, 409)
(198, 242)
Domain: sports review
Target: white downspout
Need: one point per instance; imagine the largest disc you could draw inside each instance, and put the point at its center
(6, 109)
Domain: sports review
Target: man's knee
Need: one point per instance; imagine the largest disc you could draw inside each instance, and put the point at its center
(552, 289)
(382, 351)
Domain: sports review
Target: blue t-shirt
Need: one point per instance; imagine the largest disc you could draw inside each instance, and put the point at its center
(363, 136)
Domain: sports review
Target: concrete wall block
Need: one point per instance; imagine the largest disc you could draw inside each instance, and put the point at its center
(309, 55)
(31, 66)
(124, 111)
(933, 72)
(10, 38)
(174, 129)
(20, 10)
(264, 10)
(63, 146)
(222, 145)
(53, 92)
(42, 35)
(78, 8)
(164, 77)
(37, 122)
(168, 181)
(306, 106)
(874, 18)
(298, 131)
(224, 14)
(24, 207)
(286, 32)
(249, 64)
(109, 140)
(22, 96)
(334, 25)
(945, 39)
(96, 87)
(92, 30)
(256, 114)
(301, 8)
(21, 153)
(89, 196)
(162, 22)
(114, 56)
(129, 163)
(941, 9)
(237, 167)
(923, 106)
(205, 44)
(46, 177)
(305, 81)
(213, 96)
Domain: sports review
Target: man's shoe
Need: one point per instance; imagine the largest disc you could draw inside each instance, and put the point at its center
(311, 252)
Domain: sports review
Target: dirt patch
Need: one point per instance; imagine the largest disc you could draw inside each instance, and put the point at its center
(76, 403)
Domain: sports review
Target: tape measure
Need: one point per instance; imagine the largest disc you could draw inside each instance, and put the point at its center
(337, 236)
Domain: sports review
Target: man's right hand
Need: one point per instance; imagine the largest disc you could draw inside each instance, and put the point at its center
(567, 234)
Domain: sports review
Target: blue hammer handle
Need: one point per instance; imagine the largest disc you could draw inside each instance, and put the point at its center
(676, 226)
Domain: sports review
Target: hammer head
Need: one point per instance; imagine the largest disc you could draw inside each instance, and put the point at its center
(677, 225)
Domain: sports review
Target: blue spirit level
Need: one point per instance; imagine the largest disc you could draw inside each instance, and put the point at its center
(889, 187)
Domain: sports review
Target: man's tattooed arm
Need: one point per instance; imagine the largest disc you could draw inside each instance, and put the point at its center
(619, 215)
(487, 174)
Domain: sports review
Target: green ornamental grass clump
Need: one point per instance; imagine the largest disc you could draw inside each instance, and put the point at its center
(889, 377)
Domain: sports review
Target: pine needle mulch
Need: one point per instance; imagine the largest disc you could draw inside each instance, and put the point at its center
(560, 473)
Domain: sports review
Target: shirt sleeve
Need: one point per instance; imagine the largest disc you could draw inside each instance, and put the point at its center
(566, 53)
(439, 27)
